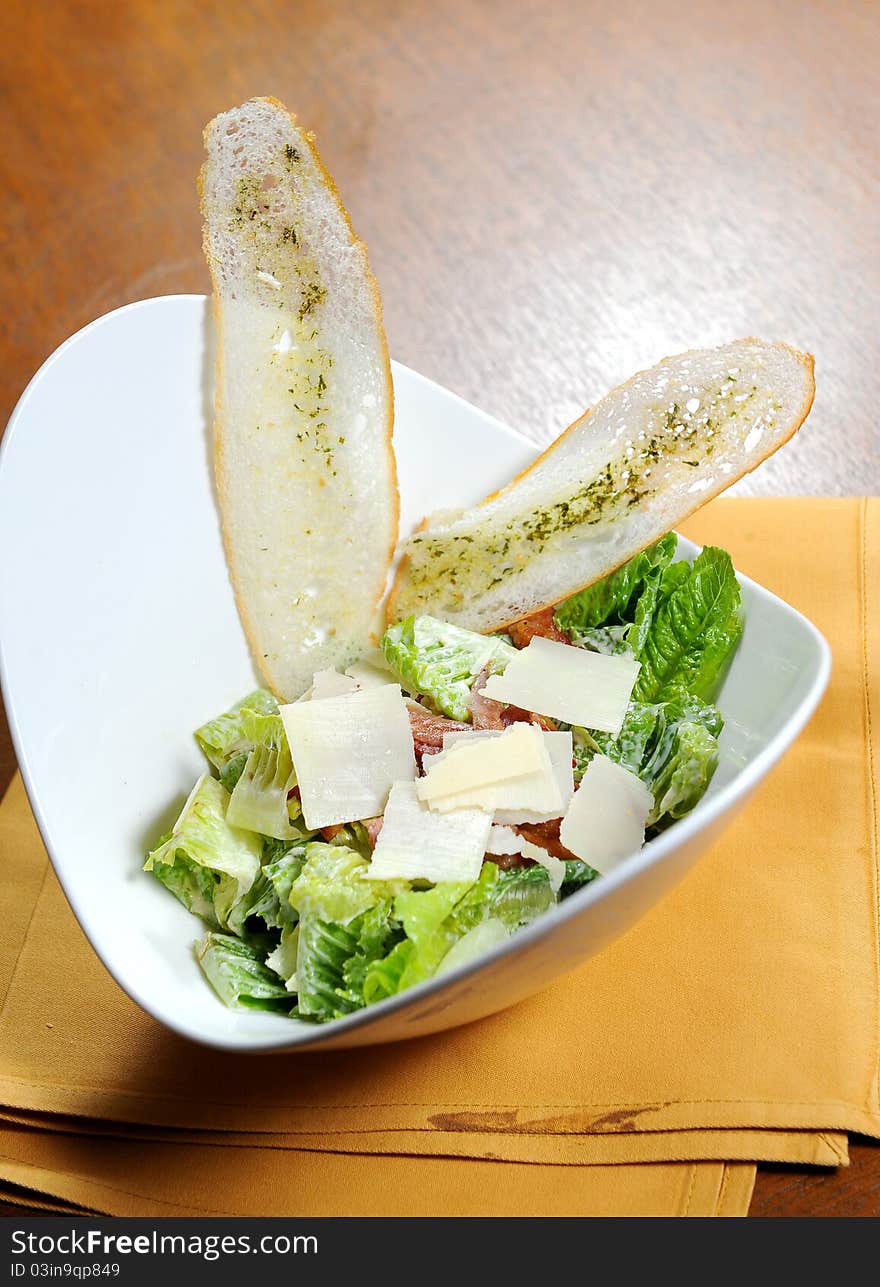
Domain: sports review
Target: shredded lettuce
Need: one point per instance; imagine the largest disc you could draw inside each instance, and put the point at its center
(440, 662)
(206, 863)
(238, 975)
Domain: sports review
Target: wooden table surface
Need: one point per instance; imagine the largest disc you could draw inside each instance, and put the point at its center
(554, 195)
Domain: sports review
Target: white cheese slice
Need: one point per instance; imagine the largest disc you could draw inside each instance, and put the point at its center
(511, 772)
(518, 752)
(329, 683)
(559, 748)
(605, 821)
(347, 751)
(504, 840)
(369, 674)
(416, 843)
(585, 688)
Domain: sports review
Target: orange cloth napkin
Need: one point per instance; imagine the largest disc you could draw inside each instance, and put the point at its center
(745, 1005)
(123, 1178)
(818, 1148)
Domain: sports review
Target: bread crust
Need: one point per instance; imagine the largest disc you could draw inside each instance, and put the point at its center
(806, 360)
(392, 518)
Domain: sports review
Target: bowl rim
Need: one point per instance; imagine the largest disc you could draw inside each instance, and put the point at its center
(653, 853)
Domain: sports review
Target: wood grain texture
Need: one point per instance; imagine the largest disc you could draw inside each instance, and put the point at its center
(554, 195)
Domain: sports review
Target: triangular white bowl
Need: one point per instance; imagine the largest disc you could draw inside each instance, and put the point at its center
(120, 635)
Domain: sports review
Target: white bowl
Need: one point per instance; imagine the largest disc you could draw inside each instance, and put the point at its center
(120, 636)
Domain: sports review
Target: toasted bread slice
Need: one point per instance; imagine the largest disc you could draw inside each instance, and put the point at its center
(303, 458)
(650, 453)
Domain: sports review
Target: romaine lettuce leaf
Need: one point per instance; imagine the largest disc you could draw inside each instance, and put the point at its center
(333, 885)
(383, 977)
(440, 662)
(672, 746)
(686, 626)
(282, 961)
(611, 640)
(323, 948)
(232, 770)
(679, 777)
(333, 961)
(231, 733)
(694, 632)
(436, 920)
(206, 863)
(612, 603)
(268, 899)
(354, 836)
(261, 800)
(476, 942)
(577, 874)
(378, 933)
(430, 925)
(520, 894)
(238, 975)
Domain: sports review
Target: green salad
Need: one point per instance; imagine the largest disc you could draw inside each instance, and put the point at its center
(311, 913)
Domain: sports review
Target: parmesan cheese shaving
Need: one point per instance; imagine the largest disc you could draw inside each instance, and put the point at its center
(560, 750)
(605, 821)
(515, 754)
(512, 771)
(585, 688)
(371, 671)
(347, 751)
(416, 843)
(329, 683)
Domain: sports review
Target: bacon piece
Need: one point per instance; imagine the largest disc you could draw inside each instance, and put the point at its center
(428, 729)
(539, 623)
(507, 861)
(373, 826)
(546, 836)
(485, 711)
(516, 715)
